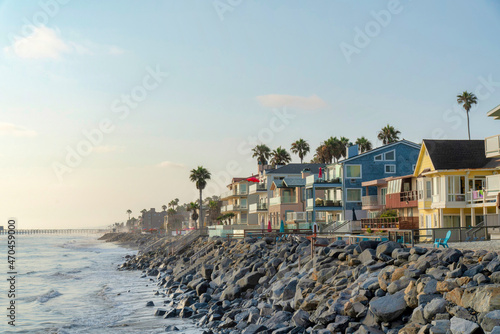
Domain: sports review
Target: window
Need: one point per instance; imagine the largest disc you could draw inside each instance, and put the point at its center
(353, 195)
(420, 188)
(353, 171)
(383, 192)
(456, 188)
(394, 186)
(387, 156)
(390, 156)
(428, 189)
(451, 221)
(390, 169)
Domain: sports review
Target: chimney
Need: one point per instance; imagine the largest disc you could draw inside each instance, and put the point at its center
(352, 151)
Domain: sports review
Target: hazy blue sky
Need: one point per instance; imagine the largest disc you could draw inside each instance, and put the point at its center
(165, 86)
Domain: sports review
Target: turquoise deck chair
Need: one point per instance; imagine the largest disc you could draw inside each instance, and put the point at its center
(443, 242)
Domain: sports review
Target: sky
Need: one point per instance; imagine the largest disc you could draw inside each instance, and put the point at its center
(107, 106)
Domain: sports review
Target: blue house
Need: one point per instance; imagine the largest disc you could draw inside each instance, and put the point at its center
(337, 194)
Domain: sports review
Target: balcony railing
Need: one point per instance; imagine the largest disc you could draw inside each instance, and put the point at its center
(482, 197)
(234, 192)
(405, 199)
(296, 216)
(254, 188)
(282, 200)
(402, 223)
(233, 207)
(321, 203)
(370, 201)
(314, 179)
(257, 207)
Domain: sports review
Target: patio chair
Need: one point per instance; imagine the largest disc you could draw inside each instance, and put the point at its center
(443, 242)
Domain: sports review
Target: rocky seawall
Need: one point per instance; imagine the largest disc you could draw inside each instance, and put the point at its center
(264, 286)
(130, 240)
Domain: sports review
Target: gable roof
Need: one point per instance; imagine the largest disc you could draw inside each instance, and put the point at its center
(375, 150)
(459, 154)
(495, 112)
(295, 168)
(292, 182)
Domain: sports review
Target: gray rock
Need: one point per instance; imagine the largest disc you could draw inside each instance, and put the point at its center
(249, 281)
(231, 293)
(254, 329)
(462, 326)
(150, 304)
(367, 256)
(436, 306)
(398, 285)
(471, 272)
(495, 330)
(387, 248)
(300, 319)
(490, 320)
(389, 307)
(451, 255)
(171, 328)
(418, 315)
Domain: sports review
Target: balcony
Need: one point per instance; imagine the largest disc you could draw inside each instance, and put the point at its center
(296, 216)
(401, 223)
(256, 188)
(324, 203)
(492, 146)
(257, 207)
(406, 199)
(371, 202)
(234, 192)
(233, 207)
(483, 197)
(323, 182)
(282, 200)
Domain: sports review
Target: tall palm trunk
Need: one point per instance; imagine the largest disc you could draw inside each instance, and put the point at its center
(468, 126)
(201, 212)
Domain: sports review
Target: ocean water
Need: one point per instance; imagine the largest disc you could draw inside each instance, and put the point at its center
(69, 284)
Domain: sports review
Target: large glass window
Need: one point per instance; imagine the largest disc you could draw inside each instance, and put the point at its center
(456, 188)
(353, 171)
(353, 195)
(428, 189)
(420, 188)
(435, 186)
(451, 221)
(390, 156)
(383, 192)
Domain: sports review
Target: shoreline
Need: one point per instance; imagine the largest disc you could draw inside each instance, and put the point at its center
(258, 286)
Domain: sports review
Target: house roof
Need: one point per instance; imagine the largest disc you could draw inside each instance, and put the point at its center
(459, 154)
(295, 168)
(292, 182)
(495, 112)
(375, 150)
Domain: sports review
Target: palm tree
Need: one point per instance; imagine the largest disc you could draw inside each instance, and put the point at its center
(193, 206)
(280, 156)
(467, 100)
(322, 155)
(164, 207)
(363, 144)
(262, 153)
(129, 212)
(343, 144)
(334, 148)
(388, 134)
(200, 177)
(301, 148)
(214, 209)
(143, 211)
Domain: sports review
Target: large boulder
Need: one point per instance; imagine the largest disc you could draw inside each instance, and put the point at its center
(249, 281)
(300, 319)
(435, 306)
(231, 293)
(389, 307)
(490, 320)
(367, 256)
(484, 298)
(387, 248)
(451, 255)
(462, 326)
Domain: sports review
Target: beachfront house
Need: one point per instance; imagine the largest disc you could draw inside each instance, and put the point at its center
(458, 185)
(337, 195)
(261, 209)
(237, 200)
(394, 206)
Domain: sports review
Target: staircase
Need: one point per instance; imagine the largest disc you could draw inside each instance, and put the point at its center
(179, 245)
(471, 233)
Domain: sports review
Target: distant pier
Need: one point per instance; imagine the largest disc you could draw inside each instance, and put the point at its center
(56, 231)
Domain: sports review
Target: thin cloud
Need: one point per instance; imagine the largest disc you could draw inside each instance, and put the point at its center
(108, 149)
(170, 164)
(42, 43)
(47, 43)
(312, 102)
(9, 129)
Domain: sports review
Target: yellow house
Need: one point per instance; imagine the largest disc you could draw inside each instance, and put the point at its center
(458, 186)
